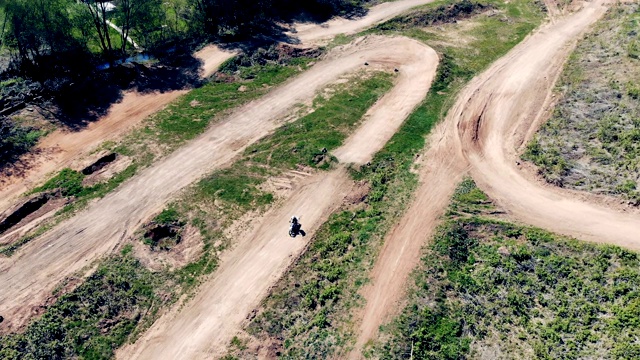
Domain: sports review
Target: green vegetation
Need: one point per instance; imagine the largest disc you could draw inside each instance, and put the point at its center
(191, 114)
(301, 142)
(15, 140)
(168, 216)
(306, 310)
(591, 142)
(40, 30)
(67, 181)
(486, 288)
(96, 317)
(235, 187)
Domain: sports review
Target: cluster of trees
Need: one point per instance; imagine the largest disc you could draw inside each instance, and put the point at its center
(36, 30)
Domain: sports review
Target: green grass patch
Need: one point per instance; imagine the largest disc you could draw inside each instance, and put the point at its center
(239, 189)
(67, 181)
(489, 286)
(302, 142)
(168, 216)
(191, 114)
(95, 318)
(16, 140)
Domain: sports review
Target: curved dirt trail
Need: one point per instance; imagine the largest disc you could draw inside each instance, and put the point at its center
(40, 265)
(504, 109)
(314, 34)
(249, 270)
(62, 147)
(482, 134)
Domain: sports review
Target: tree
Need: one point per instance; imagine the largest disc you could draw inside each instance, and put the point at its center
(143, 17)
(96, 10)
(37, 27)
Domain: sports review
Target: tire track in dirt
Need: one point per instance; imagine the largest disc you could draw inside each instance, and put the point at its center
(482, 134)
(260, 259)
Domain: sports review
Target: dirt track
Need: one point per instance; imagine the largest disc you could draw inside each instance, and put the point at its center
(30, 275)
(59, 149)
(263, 255)
(483, 133)
(313, 34)
(41, 264)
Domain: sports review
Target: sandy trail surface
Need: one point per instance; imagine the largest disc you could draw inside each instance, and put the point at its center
(486, 127)
(62, 147)
(247, 273)
(313, 34)
(40, 265)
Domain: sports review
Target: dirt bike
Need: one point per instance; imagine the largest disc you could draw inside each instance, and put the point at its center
(295, 228)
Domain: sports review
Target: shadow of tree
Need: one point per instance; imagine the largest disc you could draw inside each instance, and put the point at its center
(82, 100)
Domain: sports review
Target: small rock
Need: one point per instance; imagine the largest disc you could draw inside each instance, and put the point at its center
(242, 88)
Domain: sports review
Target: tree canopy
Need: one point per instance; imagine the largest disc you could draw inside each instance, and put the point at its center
(34, 28)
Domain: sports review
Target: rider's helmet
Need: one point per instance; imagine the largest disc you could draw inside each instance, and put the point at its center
(293, 220)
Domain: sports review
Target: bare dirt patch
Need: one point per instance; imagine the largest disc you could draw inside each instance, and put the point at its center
(178, 255)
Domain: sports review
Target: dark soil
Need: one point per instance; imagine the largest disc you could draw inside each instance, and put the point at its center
(100, 163)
